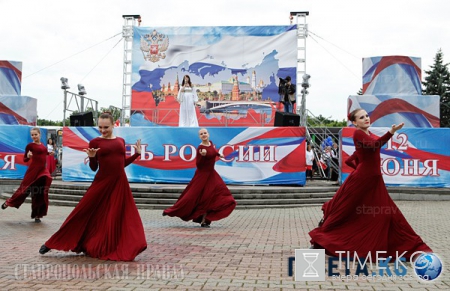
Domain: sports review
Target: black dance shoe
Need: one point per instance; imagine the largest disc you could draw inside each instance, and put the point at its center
(37, 220)
(164, 214)
(44, 249)
(4, 206)
(204, 224)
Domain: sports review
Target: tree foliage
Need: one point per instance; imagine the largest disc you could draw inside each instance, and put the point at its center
(321, 121)
(437, 82)
(45, 122)
(112, 109)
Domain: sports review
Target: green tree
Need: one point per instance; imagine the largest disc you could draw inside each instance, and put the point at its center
(321, 121)
(114, 111)
(437, 82)
(45, 122)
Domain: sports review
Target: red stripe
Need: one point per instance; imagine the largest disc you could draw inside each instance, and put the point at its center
(6, 64)
(398, 105)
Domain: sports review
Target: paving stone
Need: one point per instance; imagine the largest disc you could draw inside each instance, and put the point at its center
(249, 250)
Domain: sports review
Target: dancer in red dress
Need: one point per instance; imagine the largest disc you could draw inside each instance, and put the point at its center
(362, 217)
(206, 198)
(105, 224)
(37, 179)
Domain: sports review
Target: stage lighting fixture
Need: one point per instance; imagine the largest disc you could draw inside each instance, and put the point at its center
(305, 83)
(64, 83)
(81, 90)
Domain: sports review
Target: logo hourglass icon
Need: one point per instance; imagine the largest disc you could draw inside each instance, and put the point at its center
(310, 258)
(309, 265)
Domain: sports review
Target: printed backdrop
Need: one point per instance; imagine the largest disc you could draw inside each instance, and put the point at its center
(252, 155)
(385, 110)
(10, 78)
(414, 157)
(13, 140)
(235, 70)
(18, 110)
(392, 75)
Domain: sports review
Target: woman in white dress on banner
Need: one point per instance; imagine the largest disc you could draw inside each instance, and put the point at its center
(187, 97)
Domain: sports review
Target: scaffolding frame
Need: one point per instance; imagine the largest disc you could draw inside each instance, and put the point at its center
(299, 18)
(82, 105)
(127, 34)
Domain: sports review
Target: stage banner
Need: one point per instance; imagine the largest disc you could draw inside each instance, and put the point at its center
(385, 110)
(413, 157)
(10, 78)
(13, 141)
(252, 155)
(392, 75)
(17, 110)
(235, 71)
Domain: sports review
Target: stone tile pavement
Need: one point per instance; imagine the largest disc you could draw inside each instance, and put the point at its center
(247, 251)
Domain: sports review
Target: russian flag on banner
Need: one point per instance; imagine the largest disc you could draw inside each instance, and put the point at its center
(10, 78)
(392, 75)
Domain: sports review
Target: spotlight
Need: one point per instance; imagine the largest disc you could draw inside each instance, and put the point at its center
(81, 90)
(305, 83)
(64, 83)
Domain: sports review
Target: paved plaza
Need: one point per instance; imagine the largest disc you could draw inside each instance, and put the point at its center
(247, 251)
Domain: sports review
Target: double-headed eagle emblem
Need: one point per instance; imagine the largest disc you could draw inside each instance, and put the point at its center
(154, 45)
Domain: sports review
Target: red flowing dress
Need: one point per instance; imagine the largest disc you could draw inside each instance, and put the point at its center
(37, 181)
(362, 217)
(206, 193)
(105, 224)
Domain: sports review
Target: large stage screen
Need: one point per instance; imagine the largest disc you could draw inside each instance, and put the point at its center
(235, 71)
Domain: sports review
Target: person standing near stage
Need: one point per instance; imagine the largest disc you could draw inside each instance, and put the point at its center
(206, 198)
(309, 162)
(51, 160)
(187, 97)
(37, 179)
(351, 221)
(105, 224)
(335, 159)
(326, 156)
(287, 94)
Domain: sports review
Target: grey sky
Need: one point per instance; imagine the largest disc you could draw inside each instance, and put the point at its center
(41, 33)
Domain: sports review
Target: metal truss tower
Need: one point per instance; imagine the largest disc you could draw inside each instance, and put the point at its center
(127, 34)
(299, 18)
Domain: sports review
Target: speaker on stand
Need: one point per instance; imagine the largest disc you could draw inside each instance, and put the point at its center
(82, 119)
(286, 119)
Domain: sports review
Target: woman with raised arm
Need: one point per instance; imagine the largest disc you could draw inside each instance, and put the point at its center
(105, 224)
(206, 198)
(362, 218)
(37, 179)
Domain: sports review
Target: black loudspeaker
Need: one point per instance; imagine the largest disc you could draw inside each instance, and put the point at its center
(82, 119)
(286, 119)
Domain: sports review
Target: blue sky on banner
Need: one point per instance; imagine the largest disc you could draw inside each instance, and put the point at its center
(51, 38)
